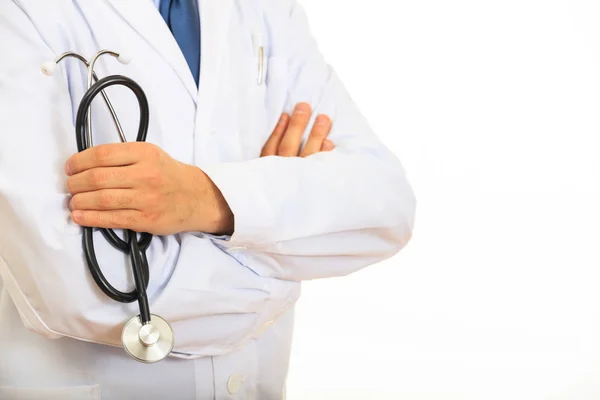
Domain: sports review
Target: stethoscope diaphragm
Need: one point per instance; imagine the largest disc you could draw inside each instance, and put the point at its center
(148, 343)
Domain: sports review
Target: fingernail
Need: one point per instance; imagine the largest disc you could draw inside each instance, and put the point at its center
(71, 204)
(77, 215)
(282, 118)
(302, 108)
(322, 120)
(67, 168)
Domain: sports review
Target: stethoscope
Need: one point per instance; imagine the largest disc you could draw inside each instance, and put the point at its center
(146, 337)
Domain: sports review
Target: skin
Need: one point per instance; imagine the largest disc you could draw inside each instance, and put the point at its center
(138, 186)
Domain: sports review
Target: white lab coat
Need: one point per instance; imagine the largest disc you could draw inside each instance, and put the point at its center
(230, 300)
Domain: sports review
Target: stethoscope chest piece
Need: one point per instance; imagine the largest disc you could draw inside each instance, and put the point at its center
(148, 343)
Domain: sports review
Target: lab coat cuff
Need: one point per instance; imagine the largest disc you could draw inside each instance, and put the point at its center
(221, 238)
(249, 202)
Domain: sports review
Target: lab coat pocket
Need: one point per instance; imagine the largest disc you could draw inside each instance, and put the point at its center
(264, 101)
(277, 86)
(60, 393)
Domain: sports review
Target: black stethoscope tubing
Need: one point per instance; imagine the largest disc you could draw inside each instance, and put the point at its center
(130, 244)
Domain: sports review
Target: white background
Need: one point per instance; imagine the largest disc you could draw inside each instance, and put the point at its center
(494, 109)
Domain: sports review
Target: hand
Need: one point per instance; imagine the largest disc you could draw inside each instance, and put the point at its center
(140, 187)
(286, 139)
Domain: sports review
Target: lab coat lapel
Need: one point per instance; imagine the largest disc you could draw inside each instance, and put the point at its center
(145, 19)
(215, 19)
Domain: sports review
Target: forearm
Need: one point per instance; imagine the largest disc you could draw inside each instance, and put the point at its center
(324, 215)
(278, 199)
(310, 218)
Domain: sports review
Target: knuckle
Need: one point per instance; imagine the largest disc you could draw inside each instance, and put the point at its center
(298, 124)
(129, 220)
(101, 153)
(117, 220)
(151, 216)
(151, 151)
(124, 200)
(154, 177)
(119, 174)
(105, 200)
(96, 176)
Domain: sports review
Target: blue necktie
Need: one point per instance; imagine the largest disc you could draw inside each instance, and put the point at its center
(183, 20)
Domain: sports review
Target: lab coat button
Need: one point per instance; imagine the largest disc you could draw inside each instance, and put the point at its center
(234, 383)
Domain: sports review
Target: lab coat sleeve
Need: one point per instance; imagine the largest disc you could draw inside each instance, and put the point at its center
(212, 302)
(328, 214)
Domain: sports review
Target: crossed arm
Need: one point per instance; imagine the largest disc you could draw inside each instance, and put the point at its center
(294, 218)
(140, 187)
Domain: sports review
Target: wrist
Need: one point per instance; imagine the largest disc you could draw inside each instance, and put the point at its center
(212, 213)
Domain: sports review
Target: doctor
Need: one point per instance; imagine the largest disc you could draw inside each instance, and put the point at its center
(237, 181)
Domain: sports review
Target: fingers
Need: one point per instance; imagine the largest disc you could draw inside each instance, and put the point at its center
(116, 219)
(101, 178)
(110, 155)
(290, 144)
(286, 139)
(327, 145)
(113, 199)
(271, 148)
(317, 137)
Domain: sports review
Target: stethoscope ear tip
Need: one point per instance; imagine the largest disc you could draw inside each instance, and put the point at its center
(48, 68)
(124, 58)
